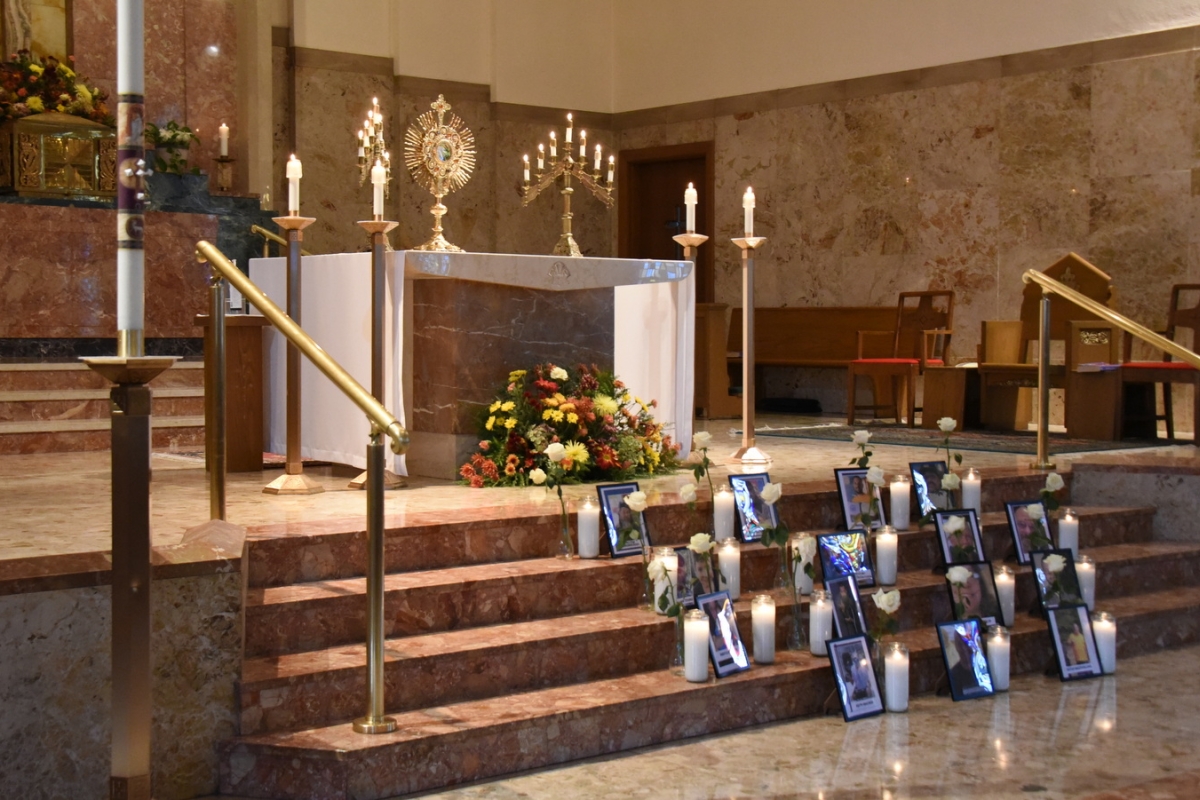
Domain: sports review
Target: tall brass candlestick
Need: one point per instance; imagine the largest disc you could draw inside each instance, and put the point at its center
(748, 453)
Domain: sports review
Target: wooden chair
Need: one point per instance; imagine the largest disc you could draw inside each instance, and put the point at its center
(924, 324)
(1166, 372)
(1093, 380)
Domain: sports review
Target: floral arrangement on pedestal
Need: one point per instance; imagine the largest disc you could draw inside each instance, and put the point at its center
(607, 433)
(171, 143)
(34, 86)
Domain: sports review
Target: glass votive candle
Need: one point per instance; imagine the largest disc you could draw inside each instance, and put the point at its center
(820, 622)
(762, 621)
(695, 646)
(1085, 570)
(723, 506)
(729, 561)
(886, 555)
(1104, 628)
(895, 676)
(998, 656)
(901, 494)
(1006, 593)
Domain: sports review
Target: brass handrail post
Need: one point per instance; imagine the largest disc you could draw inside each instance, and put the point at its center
(748, 453)
(1043, 418)
(216, 403)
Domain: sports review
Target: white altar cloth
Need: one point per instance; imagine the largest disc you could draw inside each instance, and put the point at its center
(653, 316)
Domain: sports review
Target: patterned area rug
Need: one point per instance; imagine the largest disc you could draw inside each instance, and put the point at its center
(1021, 443)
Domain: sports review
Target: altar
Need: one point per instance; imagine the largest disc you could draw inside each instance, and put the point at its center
(457, 323)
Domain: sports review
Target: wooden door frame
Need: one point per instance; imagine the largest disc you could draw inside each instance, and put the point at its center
(706, 281)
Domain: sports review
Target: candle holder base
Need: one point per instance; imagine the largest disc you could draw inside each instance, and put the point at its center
(224, 173)
(390, 481)
(750, 455)
(374, 226)
(437, 243)
(749, 242)
(293, 484)
(567, 246)
(294, 223)
(374, 725)
(692, 240)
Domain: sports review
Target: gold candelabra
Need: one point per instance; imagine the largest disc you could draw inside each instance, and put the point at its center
(440, 156)
(372, 147)
(566, 168)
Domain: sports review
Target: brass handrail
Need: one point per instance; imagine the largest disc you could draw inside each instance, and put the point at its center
(382, 419)
(273, 237)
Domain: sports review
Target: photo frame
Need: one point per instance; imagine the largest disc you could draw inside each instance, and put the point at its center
(848, 619)
(729, 654)
(846, 553)
(695, 577)
(617, 515)
(753, 514)
(927, 482)
(1027, 534)
(977, 596)
(854, 672)
(855, 493)
(965, 658)
(1074, 643)
(961, 543)
(1056, 589)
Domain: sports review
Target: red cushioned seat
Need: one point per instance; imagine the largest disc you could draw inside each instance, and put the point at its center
(935, 362)
(1157, 365)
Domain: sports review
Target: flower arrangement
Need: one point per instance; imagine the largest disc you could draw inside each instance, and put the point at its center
(875, 477)
(172, 141)
(886, 606)
(606, 433)
(1049, 492)
(33, 86)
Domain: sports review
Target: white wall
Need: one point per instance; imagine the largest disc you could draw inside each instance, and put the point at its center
(345, 26)
(447, 40)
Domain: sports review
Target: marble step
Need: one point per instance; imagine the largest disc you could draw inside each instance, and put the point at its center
(524, 529)
(72, 435)
(76, 375)
(60, 404)
(325, 686)
(447, 745)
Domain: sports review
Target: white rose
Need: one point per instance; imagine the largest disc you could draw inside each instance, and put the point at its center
(555, 452)
(538, 476)
(558, 374)
(657, 570)
(1035, 511)
(1054, 563)
(887, 602)
(950, 482)
(701, 543)
(861, 437)
(959, 575)
(954, 524)
(875, 476)
(807, 548)
(947, 424)
(688, 493)
(636, 502)
(771, 493)
(701, 440)
(1054, 482)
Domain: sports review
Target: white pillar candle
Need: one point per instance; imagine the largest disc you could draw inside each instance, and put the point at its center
(886, 556)
(690, 198)
(748, 211)
(1104, 628)
(378, 179)
(570, 123)
(361, 151)
(762, 621)
(802, 543)
(901, 493)
(553, 144)
(1068, 533)
(895, 676)
(589, 529)
(729, 560)
(664, 587)
(998, 653)
(695, 646)
(1085, 569)
(611, 161)
(541, 157)
(972, 491)
(582, 145)
(596, 167)
(223, 137)
(526, 160)
(820, 627)
(295, 171)
(723, 507)
(1006, 593)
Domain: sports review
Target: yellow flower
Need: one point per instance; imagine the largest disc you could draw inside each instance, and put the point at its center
(510, 423)
(568, 406)
(572, 418)
(516, 375)
(36, 69)
(558, 397)
(507, 405)
(548, 413)
(65, 71)
(35, 104)
(84, 94)
(577, 452)
(491, 421)
(550, 401)
(604, 405)
(494, 407)
(60, 108)
(558, 416)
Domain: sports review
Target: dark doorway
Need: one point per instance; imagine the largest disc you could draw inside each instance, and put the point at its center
(651, 210)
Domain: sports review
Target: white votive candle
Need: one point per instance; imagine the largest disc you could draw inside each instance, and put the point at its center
(748, 211)
(723, 507)
(695, 646)
(1085, 569)
(972, 491)
(570, 130)
(553, 144)
(223, 138)
(596, 165)
(729, 559)
(612, 161)
(664, 587)
(762, 621)
(886, 544)
(998, 652)
(901, 492)
(1006, 593)
(1104, 628)
(589, 529)
(525, 160)
(895, 676)
(378, 179)
(690, 198)
(804, 549)
(295, 171)
(820, 622)
(541, 157)
(1068, 533)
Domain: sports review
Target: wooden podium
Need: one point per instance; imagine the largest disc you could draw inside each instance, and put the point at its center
(243, 388)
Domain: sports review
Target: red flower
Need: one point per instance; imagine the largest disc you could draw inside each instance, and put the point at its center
(490, 471)
(22, 93)
(466, 471)
(484, 446)
(477, 482)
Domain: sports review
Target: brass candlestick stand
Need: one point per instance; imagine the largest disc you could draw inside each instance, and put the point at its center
(224, 173)
(566, 168)
(748, 453)
(293, 480)
(378, 228)
(372, 150)
(440, 157)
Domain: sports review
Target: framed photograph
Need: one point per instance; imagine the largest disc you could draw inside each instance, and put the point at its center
(965, 658)
(856, 495)
(958, 531)
(753, 514)
(927, 481)
(973, 593)
(1054, 574)
(696, 577)
(857, 689)
(848, 617)
(1074, 643)
(1029, 530)
(846, 553)
(724, 642)
(620, 517)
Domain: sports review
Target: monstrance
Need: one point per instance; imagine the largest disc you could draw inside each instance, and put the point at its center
(440, 155)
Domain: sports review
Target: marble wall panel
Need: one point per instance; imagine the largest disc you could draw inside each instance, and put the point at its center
(210, 73)
(283, 134)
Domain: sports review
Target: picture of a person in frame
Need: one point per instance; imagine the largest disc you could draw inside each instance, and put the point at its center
(960, 537)
(927, 480)
(975, 597)
(1025, 526)
(966, 662)
(856, 672)
(846, 609)
(1076, 649)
